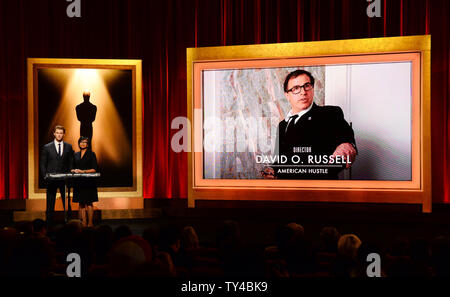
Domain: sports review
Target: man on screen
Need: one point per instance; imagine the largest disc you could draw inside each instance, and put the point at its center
(56, 157)
(313, 142)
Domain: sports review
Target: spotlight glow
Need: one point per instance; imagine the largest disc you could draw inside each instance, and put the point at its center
(109, 139)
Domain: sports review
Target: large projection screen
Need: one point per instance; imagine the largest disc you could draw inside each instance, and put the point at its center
(236, 101)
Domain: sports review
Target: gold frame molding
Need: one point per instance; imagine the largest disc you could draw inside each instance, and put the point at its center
(416, 49)
(33, 64)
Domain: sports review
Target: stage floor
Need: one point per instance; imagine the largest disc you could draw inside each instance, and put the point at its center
(106, 214)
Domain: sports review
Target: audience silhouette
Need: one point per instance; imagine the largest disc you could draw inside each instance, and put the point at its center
(29, 249)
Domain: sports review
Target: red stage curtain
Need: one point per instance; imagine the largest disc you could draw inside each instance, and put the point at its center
(158, 32)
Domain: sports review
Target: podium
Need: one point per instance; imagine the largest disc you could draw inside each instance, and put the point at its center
(67, 178)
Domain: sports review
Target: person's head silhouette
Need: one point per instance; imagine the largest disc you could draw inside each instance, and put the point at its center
(86, 95)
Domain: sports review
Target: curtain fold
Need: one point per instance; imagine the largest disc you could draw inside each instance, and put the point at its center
(158, 32)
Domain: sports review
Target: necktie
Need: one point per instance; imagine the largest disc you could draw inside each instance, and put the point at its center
(59, 149)
(290, 122)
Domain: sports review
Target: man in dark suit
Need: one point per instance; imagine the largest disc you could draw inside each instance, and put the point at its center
(56, 157)
(315, 141)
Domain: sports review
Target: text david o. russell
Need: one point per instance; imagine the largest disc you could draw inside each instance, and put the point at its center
(308, 159)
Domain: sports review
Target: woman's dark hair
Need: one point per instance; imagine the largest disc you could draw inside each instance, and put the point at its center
(82, 138)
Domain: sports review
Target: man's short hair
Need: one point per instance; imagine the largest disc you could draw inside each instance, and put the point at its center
(296, 73)
(59, 127)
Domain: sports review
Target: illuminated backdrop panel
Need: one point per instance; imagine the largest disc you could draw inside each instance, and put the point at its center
(100, 99)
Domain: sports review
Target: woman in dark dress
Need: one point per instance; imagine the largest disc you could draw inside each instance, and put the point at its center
(85, 190)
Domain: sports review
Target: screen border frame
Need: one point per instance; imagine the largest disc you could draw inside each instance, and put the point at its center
(416, 191)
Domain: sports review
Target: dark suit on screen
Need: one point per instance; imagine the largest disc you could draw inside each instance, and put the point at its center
(51, 162)
(322, 129)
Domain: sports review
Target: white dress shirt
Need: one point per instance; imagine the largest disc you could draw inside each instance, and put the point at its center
(302, 112)
(62, 146)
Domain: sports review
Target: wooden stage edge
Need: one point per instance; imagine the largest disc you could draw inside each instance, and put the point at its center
(105, 214)
(135, 208)
(103, 203)
(110, 208)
